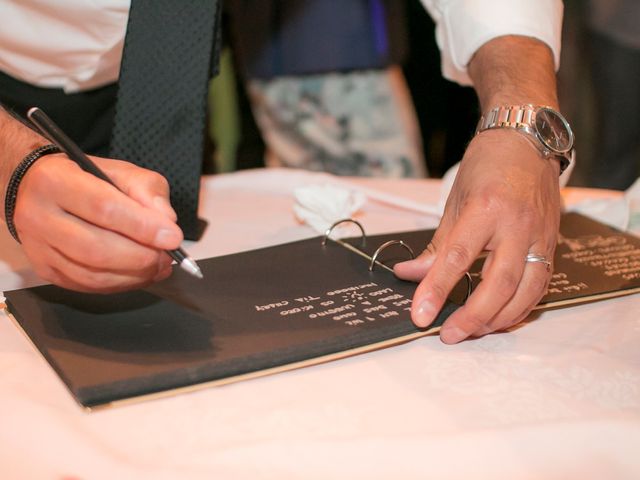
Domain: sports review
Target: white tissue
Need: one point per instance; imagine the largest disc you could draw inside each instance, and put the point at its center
(622, 213)
(320, 206)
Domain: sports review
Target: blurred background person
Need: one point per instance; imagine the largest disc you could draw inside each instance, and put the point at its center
(360, 93)
(325, 84)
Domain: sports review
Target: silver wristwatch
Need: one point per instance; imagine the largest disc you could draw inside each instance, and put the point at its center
(547, 129)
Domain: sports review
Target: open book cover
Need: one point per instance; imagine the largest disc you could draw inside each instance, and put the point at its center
(272, 309)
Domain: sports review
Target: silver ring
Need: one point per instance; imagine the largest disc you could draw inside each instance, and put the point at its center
(344, 220)
(537, 258)
(385, 245)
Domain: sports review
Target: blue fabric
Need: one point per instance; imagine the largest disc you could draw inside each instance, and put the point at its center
(292, 37)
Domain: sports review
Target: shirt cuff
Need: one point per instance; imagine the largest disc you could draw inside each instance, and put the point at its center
(463, 26)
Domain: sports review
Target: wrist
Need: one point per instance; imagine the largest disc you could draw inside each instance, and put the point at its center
(545, 128)
(17, 140)
(522, 153)
(11, 194)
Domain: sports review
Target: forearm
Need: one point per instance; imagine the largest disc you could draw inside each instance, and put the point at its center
(16, 141)
(514, 70)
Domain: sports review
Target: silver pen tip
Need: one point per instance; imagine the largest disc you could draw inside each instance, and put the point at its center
(190, 266)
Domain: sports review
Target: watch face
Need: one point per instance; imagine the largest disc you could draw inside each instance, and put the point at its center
(553, 130)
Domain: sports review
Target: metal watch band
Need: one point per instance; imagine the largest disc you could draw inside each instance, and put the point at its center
(520, 117)
(512, 116)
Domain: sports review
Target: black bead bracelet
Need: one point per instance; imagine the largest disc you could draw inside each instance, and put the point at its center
(14, 183)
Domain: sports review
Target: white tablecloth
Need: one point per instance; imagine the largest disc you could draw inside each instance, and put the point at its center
(557, 398)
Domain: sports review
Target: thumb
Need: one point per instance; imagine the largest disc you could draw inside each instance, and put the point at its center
(415, 270)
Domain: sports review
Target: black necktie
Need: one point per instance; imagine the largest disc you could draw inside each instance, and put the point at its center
(161, 108)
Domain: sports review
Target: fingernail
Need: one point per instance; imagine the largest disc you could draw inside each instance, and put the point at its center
(425, 314)
(161, 203)
(450, 335)
(167, 238)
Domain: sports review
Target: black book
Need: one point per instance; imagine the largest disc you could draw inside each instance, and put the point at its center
(274, 309)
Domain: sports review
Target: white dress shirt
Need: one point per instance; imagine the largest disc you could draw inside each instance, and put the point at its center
(70, 44)
(463, 26)
(77, 44)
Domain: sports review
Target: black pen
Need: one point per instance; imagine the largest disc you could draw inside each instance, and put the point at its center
(73, 151)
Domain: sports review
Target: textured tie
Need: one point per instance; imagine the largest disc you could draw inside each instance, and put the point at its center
(161, 107)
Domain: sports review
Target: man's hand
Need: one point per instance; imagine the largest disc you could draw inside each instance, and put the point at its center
(505, 201)
(81, 233)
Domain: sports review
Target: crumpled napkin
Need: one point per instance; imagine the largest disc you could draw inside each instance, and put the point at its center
(622, 213)
(320, 206)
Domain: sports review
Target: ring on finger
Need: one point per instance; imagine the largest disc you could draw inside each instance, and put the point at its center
(538, 258)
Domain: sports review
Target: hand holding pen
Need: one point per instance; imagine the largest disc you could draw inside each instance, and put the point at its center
(64, 143)
(80, 232)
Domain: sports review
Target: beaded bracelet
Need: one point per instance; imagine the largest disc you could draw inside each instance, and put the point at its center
(14, 183)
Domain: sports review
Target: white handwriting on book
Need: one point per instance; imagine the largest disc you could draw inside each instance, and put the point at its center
(291, 311)
(380, 292)
(591, 241)
(332, 311)
(351, 289)
(351, 305)
(617, 260)
(614, 255)
(560, 283)
(269, 306)
(306, 299)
